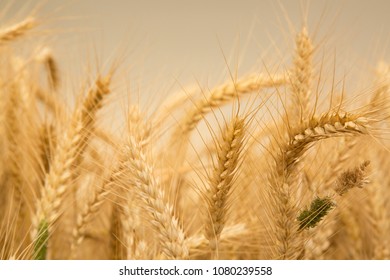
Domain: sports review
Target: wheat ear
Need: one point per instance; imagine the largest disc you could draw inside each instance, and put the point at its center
(302, 74)
(140, 129)
(327, 126)
(67, 155)
(319, 241)
(221, 182)
(379, 221)
(171, 235)
(92, 206)
(15, 181)
(223, 94)
(46, 57)
(286, 158)
(342, 156)
(13, 32)
(216, 98)
(355, 178)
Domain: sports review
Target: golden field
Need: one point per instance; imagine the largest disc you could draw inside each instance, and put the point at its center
(285, 162)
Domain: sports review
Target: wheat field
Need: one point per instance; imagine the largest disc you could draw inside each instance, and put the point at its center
(282, 163)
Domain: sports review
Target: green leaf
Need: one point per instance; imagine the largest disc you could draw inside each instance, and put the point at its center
(319, 208)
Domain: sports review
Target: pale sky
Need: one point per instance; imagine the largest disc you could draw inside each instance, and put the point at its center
(176, 41)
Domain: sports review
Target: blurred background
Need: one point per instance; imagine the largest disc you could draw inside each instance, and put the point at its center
(164, 45)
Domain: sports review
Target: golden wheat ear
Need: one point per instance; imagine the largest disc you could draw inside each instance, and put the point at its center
(18, 30)
(47, 59)
(16, 187)
(151, 192)
(287, 155)
(355, 178)
(89, 210)
(223, 94)
(301, 76)
(67, 156)
(221, 182)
